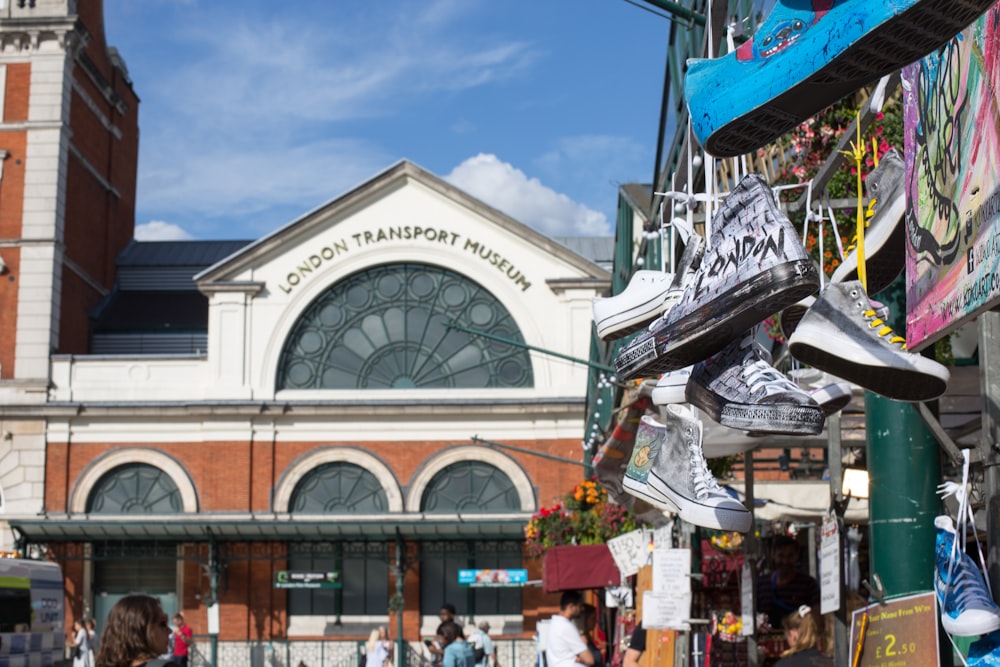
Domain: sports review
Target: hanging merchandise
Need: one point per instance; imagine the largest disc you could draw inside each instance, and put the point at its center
(806, 56)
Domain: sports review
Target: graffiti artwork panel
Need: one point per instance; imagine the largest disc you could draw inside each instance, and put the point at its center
(952, 141)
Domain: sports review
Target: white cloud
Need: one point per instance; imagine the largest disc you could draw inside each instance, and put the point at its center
(158, 230)
(525, 199)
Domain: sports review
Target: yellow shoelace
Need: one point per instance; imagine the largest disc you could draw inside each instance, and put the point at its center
(885, 330)
(857, 153)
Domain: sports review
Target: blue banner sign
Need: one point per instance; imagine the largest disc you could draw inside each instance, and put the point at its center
(485, 578)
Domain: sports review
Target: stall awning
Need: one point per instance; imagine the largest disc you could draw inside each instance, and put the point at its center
(798, 501)
(268, 527)
(575, 567)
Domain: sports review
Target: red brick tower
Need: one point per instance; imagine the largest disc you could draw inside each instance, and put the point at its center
(69, 145)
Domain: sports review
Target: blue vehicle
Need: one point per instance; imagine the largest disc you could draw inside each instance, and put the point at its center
(32, 614)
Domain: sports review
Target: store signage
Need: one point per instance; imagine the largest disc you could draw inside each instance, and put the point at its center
(322, 253)
(492, 578)
(301, 579)
(829, 565)
(900, 633)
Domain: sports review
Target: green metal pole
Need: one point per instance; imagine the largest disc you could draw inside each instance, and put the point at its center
(904, 467)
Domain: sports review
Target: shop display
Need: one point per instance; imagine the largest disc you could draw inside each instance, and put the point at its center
(806, 56)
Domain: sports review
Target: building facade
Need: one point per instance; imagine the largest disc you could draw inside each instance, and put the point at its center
(370, 390)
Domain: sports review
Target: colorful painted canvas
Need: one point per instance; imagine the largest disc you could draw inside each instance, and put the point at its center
(952, 152)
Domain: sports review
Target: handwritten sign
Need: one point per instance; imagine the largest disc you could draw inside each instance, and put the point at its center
(746, 599)
(829, 565)
(900, 633)
(630, 551)
(672, 570)
(666, 610)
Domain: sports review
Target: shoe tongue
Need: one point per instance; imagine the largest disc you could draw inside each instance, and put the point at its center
(752, 350)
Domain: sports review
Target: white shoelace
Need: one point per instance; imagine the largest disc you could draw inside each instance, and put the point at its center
(704, 481)
(758, 373)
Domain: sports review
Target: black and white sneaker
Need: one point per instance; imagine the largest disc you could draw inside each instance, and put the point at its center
(756, 266)
(740, 389)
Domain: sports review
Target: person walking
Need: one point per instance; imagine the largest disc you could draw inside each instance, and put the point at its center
(137, 630)
(564, 646)
(378, 649)
(482, 646)
(81, 646)
(182, 640)
(457, 652)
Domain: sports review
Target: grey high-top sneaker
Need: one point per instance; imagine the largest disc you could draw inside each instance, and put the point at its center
(740, 389)
(885, 234)
(612, 459)
(680, 474)
(843, 335)
(648, 439)
(756, 266)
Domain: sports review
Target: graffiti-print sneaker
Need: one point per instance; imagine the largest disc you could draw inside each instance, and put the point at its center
(756, 265)
(740, 389)
(844, 336)
(806, 55)
(885, 235)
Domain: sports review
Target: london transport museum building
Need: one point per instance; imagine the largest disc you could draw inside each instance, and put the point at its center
(189, 419)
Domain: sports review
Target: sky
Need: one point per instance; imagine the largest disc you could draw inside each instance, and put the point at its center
(254, 112)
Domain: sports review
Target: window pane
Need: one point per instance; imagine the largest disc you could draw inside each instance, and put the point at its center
(339, 488)
(470, 487)
(364, 574)
(135, 488)
(439, 577)
(392, 327)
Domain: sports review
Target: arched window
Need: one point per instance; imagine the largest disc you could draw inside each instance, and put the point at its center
(389, 327)
(470, 487)
(338, 488)
(135, 488)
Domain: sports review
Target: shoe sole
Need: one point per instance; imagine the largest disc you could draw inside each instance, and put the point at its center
(641, 491)
(635, 318)
(714, 325)
(897, 42)
(790, 317)
(760, 419)
(705, 516)
(887, 256)
(901, 384)
(970, 627)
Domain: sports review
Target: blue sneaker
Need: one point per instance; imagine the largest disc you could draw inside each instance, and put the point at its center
(967, 610)
(806, 55)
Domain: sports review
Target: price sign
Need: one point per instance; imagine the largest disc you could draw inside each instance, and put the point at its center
(900, 633)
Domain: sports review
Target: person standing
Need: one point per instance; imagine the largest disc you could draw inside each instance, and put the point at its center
(457, 652)
(636, 646)
(447, 615)
(182, 640)
(81, 646)
(586, 625)
(804, 633)
(377, 648)
(91, 626)
(564, 646)
(135, 633)
(784, 590)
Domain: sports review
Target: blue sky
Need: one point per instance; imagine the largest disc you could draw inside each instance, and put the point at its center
(254, 112)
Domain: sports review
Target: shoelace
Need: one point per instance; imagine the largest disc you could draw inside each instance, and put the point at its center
(966, 590)
(869, 213)
(704, 481)
(759, 373)
(884, 329)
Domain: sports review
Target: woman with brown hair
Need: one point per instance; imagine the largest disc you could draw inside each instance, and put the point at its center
(135, 633)
(804, 632)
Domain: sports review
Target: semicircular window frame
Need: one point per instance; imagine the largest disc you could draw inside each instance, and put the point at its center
(470, 487)
(387, 327)
(322, 491)
(135, 488)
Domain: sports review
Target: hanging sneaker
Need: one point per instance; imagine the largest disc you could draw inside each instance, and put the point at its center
(843, 335)
(790, 317)
(967, 610)
(648, 295)
(832, 397)
(805, 56)
(679, 473)
(756, 266)
(613, 456)
(740, 389)
(648, 440)
(670, 387)
(885, 234)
